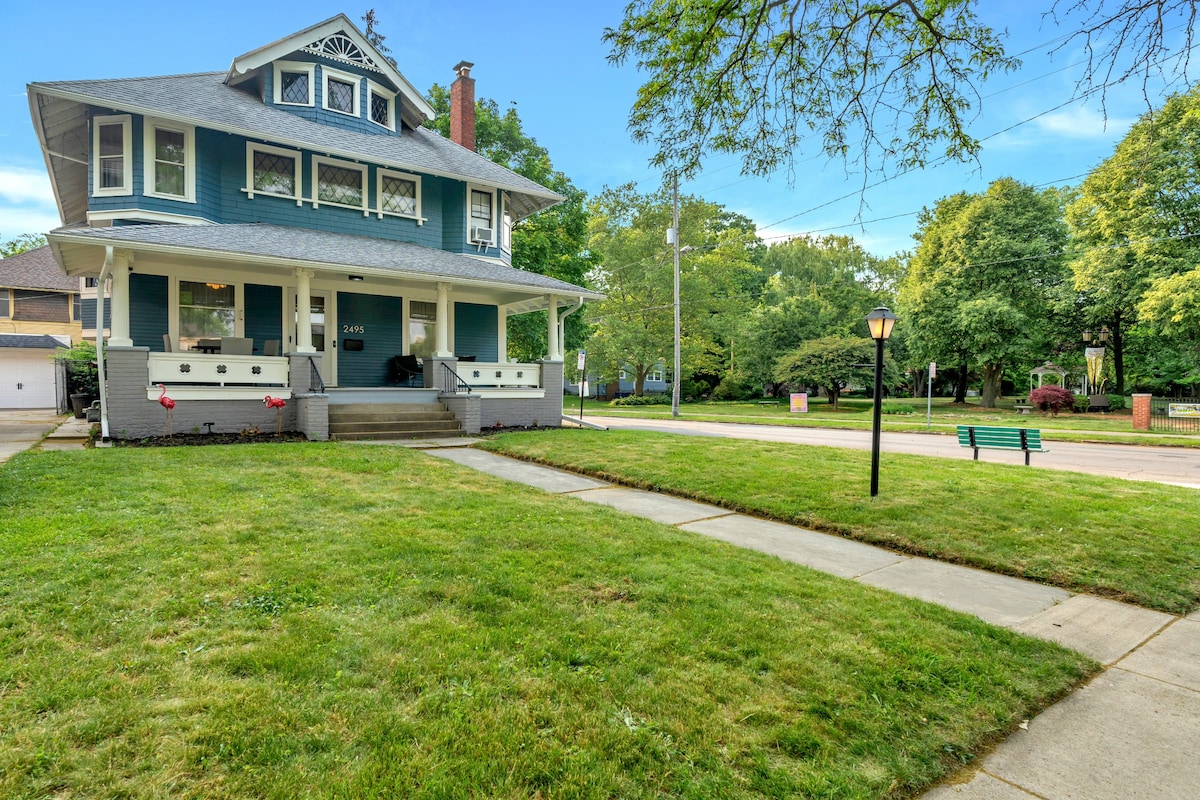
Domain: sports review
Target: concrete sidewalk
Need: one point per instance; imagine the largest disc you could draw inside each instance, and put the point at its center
(1133, 732)
(21, 429)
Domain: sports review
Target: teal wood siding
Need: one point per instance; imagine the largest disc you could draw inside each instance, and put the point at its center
(148, 314)
(475, 332)
(454, 216)
(87, 313)
(382, 336)
(264, 315)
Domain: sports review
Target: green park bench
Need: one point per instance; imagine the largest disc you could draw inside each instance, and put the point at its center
(980, 437)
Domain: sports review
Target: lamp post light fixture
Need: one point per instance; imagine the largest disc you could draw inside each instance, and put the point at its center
(879, 323)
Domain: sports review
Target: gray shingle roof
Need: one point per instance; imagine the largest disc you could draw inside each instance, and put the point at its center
(203, 99)
(35, 269)
(37, 341)
(337, 251)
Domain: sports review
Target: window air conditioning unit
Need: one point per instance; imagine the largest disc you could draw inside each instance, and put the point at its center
(483, 236)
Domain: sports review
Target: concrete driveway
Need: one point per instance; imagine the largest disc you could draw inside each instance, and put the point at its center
(21, 429)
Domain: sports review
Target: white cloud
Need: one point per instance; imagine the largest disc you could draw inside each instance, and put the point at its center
(15, 221)
(19, 185)
(1082, 123)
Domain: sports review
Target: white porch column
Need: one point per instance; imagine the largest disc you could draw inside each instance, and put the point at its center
(502, 334)
(304, 342)
(119, 327)
(442, 338)
(552, 350)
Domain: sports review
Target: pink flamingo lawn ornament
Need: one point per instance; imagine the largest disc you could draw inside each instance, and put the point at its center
(169, 405)
(276, 403)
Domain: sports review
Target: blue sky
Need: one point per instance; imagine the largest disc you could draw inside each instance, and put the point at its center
(548, 59)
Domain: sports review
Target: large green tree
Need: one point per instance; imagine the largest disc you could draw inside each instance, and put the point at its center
(817, 287)
(979, 287)
(829, 363)
(553, 242)
(634, 327)
(26, 241)
(877, 82)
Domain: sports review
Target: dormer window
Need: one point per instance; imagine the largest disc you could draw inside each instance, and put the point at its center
(294, 83)
(340, 91)
(383, 106)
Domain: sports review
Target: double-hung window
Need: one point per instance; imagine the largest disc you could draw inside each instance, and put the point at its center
(294, 83)
(339, 183)
(399, 194)
(5, 304)
(506, 224)
(112, 157)
(422, 328)
(272, 170)
(170, 160)
(339, 91)
(481, 228)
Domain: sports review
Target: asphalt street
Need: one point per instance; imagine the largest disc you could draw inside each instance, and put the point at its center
(1172, 465)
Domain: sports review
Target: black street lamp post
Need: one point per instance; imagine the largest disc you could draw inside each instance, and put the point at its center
(879, 322)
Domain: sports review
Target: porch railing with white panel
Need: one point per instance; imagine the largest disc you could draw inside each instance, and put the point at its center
(217, 370)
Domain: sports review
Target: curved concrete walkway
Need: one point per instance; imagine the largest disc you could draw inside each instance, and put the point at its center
(1133, 732)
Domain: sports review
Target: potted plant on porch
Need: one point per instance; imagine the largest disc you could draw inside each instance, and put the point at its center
(83, 385)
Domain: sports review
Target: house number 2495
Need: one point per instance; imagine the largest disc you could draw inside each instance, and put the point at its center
(354, 329)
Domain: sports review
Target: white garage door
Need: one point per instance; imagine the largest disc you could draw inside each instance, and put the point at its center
(27, 378)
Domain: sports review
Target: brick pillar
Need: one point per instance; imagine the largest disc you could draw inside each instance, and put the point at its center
(462, 106)
(1141, 412)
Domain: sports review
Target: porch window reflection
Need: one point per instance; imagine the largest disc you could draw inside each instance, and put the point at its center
(206, 311)
(422, 325)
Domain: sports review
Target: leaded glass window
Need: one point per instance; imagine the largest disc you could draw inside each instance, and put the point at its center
(338, 184)
(294, 88)
(112, 156)
(274, 173)
(399, 196)
(170, 162)
(380, 110)
(340, 96)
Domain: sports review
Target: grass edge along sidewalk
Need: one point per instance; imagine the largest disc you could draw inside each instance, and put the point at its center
(324, 620)
(1125, 540)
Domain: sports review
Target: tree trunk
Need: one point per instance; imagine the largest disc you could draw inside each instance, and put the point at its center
(1118, 351)
(993, 374)
(960, 385)
(833, 396)
(639, 383)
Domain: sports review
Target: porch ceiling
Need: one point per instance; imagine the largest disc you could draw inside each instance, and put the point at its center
(278, 250)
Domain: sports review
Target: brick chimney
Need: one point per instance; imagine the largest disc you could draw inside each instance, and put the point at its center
(462, 106)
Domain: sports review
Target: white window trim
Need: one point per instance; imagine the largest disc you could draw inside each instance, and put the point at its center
(382, 173)
(126, 123)
(151, 125)
(472, 187)
(506, 224)
(365, 208)
(344, 77)
(387, 94)
(654, 376)
(294, 66)
(296, 155)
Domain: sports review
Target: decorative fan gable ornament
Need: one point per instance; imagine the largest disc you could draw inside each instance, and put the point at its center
(342, 47)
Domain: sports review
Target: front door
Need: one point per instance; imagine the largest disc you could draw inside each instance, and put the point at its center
(321, 321)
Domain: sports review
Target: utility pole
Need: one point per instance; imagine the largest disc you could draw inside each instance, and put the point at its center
(675, 236)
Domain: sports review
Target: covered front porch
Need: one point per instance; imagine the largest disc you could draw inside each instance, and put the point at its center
(294, 323)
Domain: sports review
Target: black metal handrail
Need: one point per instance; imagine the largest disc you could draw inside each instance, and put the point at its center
(315, 384)
(451, 383)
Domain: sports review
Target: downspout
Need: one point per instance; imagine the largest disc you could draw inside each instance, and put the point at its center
(562, 326)
(108, 260)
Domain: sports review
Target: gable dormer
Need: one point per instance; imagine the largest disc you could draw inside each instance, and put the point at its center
(330, 73)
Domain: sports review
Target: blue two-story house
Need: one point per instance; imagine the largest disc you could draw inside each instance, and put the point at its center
(288, 227)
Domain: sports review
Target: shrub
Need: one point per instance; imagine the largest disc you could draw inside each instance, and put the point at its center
(1081, 404)
(82, 375)
(730, 389)
(897, 408)
(1052, 399)
(1116, 402)
(644, 400)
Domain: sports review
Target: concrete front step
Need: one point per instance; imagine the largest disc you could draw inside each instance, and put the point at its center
(391, 421)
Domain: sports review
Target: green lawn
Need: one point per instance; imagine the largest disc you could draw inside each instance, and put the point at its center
(1129, 540)
(855, 413)
(339, 621)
